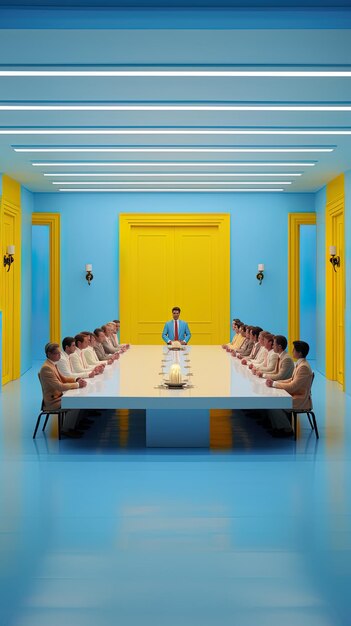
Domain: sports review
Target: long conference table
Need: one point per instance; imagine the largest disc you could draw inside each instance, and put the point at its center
(177, 417)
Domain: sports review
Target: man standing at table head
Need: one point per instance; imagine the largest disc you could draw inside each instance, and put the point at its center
(176, 329)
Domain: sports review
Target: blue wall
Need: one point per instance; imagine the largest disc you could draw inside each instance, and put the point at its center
(40, 290)
(89, 234)
(348, 282)
(26, 284)
(320, 202)
(308, 277)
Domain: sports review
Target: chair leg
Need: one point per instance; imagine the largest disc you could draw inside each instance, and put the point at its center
(294, 416)
(310, 421)
(315, 424)
(46, 420)
(37, 425)
(60, 418)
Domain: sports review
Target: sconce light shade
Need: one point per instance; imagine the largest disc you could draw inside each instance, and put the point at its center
(8, 257)
(260, 274)
(89, 276)
(334, 258)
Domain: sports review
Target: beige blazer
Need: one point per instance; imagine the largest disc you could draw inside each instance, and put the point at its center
(284, 368)
(53, 385)
(299, 386)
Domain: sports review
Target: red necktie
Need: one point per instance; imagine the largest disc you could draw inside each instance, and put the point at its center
(176, 337)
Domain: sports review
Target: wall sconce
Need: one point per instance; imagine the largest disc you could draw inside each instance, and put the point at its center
(334, 259)
(8, 257)
(89, 276)
(260, 274)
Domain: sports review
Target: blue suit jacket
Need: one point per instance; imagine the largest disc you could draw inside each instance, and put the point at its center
(183, 331)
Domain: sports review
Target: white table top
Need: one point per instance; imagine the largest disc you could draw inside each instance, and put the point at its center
(218, 381)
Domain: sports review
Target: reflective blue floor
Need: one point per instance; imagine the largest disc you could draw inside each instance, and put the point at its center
(101, 531)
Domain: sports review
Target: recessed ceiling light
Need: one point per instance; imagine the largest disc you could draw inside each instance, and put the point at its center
(177, 73)
(168, 174)
(173, 164)
(171, 131)
(176, 150)
(157, 182)
(170, 190)
(174, 107)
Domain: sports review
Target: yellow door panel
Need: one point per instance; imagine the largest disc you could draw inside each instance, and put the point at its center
(339, 297)
(7, 306)
(174, 260)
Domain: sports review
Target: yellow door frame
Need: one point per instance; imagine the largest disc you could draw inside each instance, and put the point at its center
(53, 221)
(11, 205)
(129, 220)
(295, 221)
(335, 206)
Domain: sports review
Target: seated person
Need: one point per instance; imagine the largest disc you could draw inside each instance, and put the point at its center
(254, 333)
(65, 365)
(270, 360)
(236, 323)
(176, 329)
(108, 343)
(101, 354)
(240, 338)
(252, 363)
(285, 364)
(115, 326)
(247, 344)
(90, 354)
(53, 386)
(77, 356)
(298, 386)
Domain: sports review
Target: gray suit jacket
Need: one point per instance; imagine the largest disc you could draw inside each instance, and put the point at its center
(284, 368)
(100, 352)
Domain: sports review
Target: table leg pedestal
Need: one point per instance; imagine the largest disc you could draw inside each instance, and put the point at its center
(177, 428)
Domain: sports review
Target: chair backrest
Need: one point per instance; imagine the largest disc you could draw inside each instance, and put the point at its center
(41, 385)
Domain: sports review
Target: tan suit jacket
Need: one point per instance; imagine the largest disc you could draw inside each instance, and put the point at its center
(299, 386)
(284, 368)
(53, 385)
(246, 348)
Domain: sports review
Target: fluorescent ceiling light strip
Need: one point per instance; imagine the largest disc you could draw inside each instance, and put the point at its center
(172, 164)
(170, 190)
(176, 150)
(169, 174)
(169, 131)
(176, 73)
(183, 182)
(172, 107)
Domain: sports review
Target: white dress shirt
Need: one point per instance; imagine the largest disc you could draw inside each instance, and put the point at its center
(258, 361)
(64, 366)
(270, 362)
(78, 362)
(90, 357)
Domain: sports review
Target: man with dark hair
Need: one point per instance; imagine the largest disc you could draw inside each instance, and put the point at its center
(69, 367)
(270, 360)
(298, 386)
(247, 345)
(176, 329)
(99, 348)
(54, 385)
(77, 356)
(285, 364)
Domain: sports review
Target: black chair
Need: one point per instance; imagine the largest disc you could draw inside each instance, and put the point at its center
(59, 412)
(310, 414)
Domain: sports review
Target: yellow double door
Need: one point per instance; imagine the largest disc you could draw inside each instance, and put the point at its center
(166, 264)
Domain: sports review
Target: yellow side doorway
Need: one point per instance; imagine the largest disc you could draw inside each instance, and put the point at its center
(10, 281)
(174, 260)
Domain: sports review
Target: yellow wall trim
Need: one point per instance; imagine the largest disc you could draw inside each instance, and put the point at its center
(335, 281)
(10, 206)
(295, 221)
(53, 221)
